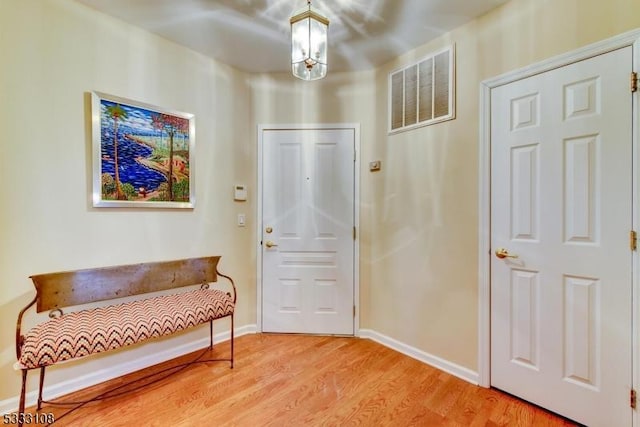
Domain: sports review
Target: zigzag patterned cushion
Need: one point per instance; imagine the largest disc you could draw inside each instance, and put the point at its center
(85, 332)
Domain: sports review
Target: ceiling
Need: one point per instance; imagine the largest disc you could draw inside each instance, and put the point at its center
(253, 35)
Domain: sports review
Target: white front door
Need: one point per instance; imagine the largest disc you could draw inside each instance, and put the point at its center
(308, 199)
(561, 208)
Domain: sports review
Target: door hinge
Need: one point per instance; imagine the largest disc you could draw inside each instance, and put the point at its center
(632, 399)
(633, 240)
(354, 233)
(634, 82)
(354, 311)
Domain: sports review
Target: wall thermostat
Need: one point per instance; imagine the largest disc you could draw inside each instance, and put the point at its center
(240, 192)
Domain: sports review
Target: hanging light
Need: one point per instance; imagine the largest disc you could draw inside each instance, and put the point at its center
(309, 44)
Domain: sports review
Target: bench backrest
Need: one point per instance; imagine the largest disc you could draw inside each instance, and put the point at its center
(67, 288)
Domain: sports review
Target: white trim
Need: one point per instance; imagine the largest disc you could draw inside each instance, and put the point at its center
(52, 391)
(586, 52)
(631, 38)
(356, 168)
(260, 130)
(635, 219)
(484, 240)
(435, 361)
(356, 222)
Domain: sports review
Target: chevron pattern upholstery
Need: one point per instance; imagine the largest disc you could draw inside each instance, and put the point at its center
(85, 332)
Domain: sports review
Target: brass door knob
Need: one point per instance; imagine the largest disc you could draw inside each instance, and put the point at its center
(503, 253)
(270, 244)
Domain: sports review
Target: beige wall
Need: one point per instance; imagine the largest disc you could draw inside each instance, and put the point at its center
(52, 53)
(424, 236)
(419, 215)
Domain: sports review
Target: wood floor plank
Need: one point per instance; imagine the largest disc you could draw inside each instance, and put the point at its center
(297, 380)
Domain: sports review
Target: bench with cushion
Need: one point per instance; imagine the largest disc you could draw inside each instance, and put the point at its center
(71, 335)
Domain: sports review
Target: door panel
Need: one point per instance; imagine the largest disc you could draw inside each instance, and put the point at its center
(561, 206)
(308, 218)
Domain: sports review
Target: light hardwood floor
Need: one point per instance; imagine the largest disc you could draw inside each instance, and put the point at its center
(296, 380)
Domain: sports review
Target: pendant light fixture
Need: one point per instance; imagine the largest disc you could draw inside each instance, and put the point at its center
(309, 44)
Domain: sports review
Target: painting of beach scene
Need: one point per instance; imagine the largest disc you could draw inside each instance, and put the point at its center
(142, 154)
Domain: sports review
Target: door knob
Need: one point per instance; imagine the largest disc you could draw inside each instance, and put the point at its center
(270, 244)
(503, 253)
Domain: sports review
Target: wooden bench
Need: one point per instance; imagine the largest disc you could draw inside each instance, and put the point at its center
(71, 335)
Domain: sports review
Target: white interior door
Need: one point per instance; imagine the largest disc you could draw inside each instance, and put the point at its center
(308, 199)
(561, 149)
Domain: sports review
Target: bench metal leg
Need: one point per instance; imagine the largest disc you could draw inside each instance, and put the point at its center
(40, 388)
(22, 396)
(210, 334)
(231, 341)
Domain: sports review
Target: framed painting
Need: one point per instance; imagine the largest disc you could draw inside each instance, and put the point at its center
(142, 154)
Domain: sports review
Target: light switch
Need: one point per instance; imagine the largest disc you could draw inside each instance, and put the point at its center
(375, 165)
(241, 220)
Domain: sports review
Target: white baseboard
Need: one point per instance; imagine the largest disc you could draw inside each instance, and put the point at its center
(65, 387)
(435, 361)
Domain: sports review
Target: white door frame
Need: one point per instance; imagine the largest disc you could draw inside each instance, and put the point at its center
(356, 211)
(631, 38)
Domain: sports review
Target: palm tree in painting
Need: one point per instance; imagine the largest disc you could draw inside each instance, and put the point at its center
(172, 125)
(116, 112)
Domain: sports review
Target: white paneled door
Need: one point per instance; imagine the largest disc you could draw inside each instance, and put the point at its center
(561, 214)
(308, 196)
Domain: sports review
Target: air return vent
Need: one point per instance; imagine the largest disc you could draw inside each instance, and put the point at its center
(422, 93)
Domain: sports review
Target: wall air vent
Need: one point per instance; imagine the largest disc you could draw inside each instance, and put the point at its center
(423, 93)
